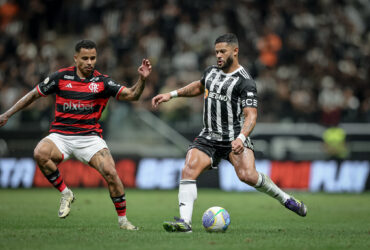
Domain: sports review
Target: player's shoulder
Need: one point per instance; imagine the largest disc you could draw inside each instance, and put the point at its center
(67, 69)
(106, 79)
(243, 73)
(245, 79)
(64, 73)
(97, 76)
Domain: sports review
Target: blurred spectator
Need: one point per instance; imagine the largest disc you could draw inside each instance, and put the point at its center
(331, 101)
(335, 143)
(269, 45)
(8, 10)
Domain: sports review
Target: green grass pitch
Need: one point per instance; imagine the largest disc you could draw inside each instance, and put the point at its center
(28, 220)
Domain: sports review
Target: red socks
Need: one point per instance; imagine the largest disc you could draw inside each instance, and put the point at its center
(120, 204)
(56, 180)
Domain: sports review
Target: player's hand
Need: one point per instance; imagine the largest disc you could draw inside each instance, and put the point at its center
(3, 120)
(237, 146)
(145, 69)
(158, 99)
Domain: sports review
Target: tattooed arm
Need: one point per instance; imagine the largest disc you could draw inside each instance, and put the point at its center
(250, 118)
(21, 104)
(192, 89)
(134, 93)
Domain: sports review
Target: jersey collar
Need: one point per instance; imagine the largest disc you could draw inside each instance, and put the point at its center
(231, 73)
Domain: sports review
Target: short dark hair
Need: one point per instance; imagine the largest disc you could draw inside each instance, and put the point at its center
(86, 44)
(227, 38)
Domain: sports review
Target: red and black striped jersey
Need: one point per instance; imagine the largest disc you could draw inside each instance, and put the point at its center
(79, 102)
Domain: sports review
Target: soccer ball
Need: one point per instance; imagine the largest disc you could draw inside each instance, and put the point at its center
(216, 219)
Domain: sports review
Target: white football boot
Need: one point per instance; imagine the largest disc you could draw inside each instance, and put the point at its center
(125, 224)
(65, 204)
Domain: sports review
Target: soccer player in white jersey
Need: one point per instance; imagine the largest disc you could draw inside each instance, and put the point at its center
(229, 116)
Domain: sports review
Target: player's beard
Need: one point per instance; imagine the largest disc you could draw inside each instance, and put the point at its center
(228, 63)
(86, 72)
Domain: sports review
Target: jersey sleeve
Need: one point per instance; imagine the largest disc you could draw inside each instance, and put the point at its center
(49, 85)
(205, 73)
(248, 93)
(112, 88)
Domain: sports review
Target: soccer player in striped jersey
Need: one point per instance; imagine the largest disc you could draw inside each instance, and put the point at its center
(81, 95)
(229, 116)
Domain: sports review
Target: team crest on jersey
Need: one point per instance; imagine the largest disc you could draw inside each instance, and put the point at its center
(94, 88)
(46, 80)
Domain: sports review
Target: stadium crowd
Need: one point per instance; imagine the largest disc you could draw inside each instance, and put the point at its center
(311, 59)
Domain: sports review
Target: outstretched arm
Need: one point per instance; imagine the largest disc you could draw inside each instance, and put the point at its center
(192, 89)
(21, 104)
(250, 118)
(134, 93)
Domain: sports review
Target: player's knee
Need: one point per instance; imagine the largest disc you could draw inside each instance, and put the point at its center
(41, 155)
(248, 176)
(189, 171)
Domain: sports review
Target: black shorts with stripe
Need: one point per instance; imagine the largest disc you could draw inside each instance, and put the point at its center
(216, 150)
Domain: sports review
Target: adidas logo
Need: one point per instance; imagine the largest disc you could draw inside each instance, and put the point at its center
(69, 85)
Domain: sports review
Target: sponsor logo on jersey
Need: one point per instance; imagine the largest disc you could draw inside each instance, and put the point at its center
(69, 85)
(68, 77)
(46, 80)
(95, 79)
(250, 94)
(94, 88)
(218, 96)
(68, 106)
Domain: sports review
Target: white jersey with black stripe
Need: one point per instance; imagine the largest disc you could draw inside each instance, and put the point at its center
(225, 97)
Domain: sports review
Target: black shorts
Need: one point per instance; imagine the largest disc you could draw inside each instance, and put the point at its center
(216, 150)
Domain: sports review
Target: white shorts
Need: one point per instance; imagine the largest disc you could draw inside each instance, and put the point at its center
(81, 147)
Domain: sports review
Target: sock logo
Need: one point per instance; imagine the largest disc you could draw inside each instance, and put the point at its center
(181, 204)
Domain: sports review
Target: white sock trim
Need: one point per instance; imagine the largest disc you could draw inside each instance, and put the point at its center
(66, 190)
(122, 218)
(259, 181)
